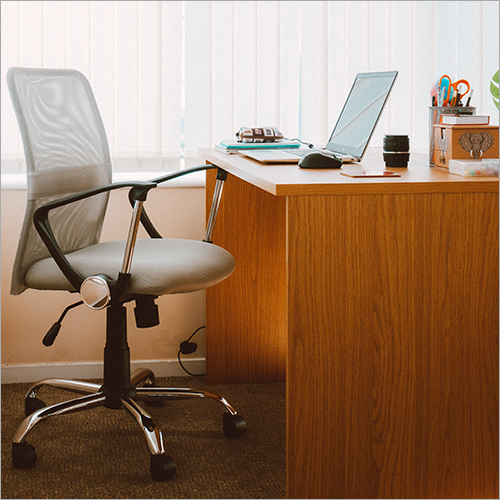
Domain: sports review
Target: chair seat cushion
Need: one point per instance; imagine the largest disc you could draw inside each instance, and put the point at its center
(159, 266)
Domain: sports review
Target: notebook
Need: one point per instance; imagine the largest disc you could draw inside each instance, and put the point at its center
(355, 125)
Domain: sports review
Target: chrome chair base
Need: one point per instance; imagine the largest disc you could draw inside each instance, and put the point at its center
(162, 466)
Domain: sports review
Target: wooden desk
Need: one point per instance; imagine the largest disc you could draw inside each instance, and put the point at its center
(378, 300)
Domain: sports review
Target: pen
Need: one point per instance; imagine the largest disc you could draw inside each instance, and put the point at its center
(470, 96)
(441, 97)
(453, 99)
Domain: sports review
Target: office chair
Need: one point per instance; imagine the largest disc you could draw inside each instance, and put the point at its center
(69, 179)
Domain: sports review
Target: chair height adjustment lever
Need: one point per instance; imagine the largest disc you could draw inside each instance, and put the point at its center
(51, 335)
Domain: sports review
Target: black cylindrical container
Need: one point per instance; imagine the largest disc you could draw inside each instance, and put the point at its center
(396, 150)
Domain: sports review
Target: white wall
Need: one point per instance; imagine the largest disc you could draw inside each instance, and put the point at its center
(78, 350)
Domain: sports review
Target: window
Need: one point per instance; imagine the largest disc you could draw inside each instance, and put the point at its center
(171, 77)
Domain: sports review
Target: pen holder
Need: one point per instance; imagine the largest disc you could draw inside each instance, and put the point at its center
(435, 113)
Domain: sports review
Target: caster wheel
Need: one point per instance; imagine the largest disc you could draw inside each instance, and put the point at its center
(233, 425)
(32, 404)
(23, 455)
(162, 467)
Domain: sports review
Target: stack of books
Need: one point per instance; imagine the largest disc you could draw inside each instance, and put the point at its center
(465, 119)
(231, 147)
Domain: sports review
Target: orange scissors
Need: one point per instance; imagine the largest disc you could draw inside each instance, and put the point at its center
(448, 85)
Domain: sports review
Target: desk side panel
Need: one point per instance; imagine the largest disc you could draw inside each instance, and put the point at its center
(246, 313)
(393, 340)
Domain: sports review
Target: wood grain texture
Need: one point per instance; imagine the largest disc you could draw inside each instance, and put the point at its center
(383, 299)
(289, 180)
(247, 313)
(392, 386)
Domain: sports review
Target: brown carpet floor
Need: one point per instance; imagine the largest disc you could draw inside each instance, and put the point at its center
(102, 453)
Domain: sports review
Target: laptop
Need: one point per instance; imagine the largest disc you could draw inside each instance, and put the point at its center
(355, 125)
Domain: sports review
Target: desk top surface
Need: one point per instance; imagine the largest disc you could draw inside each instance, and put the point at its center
(289, 180)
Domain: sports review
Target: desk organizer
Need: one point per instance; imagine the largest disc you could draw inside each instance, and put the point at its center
(483, 168)
(435, 114)
(463, 142)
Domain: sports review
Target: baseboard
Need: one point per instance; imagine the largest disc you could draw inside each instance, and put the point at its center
(13, 374)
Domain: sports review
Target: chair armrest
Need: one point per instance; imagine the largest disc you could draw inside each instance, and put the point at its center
(180, 173)
(41, 220)
(145, 220)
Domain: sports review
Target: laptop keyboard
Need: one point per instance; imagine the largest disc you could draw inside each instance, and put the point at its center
(298, 151)
(303, 151)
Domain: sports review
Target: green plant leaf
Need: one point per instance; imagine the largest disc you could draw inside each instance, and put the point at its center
(494, 88)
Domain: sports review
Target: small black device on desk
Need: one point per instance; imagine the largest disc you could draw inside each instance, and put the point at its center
(323, 159)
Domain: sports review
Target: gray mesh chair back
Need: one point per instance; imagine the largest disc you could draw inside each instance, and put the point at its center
(66, 152)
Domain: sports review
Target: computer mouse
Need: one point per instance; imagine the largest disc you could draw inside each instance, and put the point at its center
(320, 159)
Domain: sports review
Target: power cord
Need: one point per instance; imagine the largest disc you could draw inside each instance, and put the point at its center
(308, 144)
(188, 347)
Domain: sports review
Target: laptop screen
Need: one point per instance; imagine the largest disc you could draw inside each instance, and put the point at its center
(361, 112)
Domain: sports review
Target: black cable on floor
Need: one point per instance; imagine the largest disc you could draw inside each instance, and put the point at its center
(188, 347)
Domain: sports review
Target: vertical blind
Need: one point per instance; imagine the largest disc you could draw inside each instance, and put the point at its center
(171, 77)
